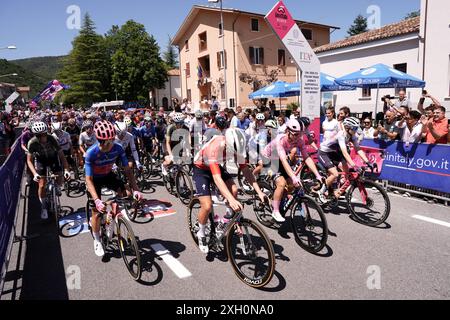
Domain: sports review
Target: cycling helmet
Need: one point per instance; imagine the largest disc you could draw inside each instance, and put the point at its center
(295, 126)
(236, 142)
(128, 121)
(199, 114)
(260, 116)
(104, 130)
(39, 127)
(352, 122)
(221, 122)
(147, 119)
(56, 127)
(271, 124)
(120, 127)
(87, 124)
(178, 118)
(306, 121)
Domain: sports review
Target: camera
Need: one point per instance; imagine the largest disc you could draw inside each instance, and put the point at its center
(388, 96)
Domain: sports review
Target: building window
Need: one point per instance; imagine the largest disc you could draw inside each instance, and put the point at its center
(186, 44)
(202, 40)
(188, 69)
(222, 91)
(256, 55)
(308, 33)
(220, 30)
(221, 60)
(403, 67)
(281, 57)
(366, 93)
(255, 25)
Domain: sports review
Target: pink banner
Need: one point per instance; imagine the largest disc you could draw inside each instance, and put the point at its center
(280, 19)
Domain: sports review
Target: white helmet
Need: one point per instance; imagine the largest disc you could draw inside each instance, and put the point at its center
(294, 126)
(56, 126)
(352, 122)
(178, 117)
(39, 127)
(128, 121)
(260, 116)
(236, 142)
(120, 127)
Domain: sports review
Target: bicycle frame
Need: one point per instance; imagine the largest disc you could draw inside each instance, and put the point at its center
(352, 178)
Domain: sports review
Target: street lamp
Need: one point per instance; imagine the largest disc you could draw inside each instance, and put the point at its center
(8, 75)
(223, 50)
(9, 48)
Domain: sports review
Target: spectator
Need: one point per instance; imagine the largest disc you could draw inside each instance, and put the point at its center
(402, 101)
(215, 104)
(295, 113)
(435, 103)
(388, 131)
(436, 130)
(243, 122)
(330, 126)
(4, 139)
(412, 128)
(368, 130)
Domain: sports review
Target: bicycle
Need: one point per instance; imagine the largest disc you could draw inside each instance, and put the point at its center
(307, 219)
(52, 191)
(179, 179)
(372, 199)
(122, 233)
(250, 253)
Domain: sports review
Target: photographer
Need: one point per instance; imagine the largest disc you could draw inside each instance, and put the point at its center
(435, 103)
(412, 127)
(388, 130)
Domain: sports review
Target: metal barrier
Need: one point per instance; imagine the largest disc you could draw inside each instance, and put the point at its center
(445, 197)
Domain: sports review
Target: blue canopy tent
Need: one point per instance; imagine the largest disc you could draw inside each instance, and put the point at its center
(380, 76)
(278, 89)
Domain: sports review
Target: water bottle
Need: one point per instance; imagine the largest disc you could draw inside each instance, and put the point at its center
(109, 226)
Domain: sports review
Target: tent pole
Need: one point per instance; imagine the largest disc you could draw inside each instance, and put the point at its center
(376, 102)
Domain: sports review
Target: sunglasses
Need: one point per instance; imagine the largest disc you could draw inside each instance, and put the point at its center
(105, 142)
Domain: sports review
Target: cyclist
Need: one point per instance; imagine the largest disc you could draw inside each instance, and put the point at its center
(147, 135)
(46, 152)
(126, 140)
(173, 145)
(209, 168)
(197, 128)
(160, 130)
(276, 151)
(87, 137)
(99, 161)
(64, 142)
(333, 151)
(74, 131)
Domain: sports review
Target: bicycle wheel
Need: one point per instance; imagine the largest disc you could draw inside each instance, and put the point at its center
(251, 253)
(245, 186)
(192, 219)
(263, 211)
(309, 224)
(368, 203)
(140, 178)
(184, 187)
(129, 248)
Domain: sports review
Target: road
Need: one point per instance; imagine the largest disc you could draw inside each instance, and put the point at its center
(406, 258)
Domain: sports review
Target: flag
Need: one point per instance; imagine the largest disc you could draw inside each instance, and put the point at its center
(50, 91)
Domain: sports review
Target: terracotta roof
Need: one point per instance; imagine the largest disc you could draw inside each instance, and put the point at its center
(174, 72)
(391, 30)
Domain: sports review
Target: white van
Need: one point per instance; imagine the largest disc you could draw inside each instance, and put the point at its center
(107, 106)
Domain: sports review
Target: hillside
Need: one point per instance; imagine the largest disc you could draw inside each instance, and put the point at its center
(25, 77)
(45, 67)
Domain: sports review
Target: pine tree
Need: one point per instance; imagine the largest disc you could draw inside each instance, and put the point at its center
(136, 64)
(412, 14)
(359, 26)
(171, 56)
(86, 67)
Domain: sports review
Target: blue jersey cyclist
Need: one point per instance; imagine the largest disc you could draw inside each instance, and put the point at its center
(99, 160)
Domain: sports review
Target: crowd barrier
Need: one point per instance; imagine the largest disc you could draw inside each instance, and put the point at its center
(420, 168)
(10, 178)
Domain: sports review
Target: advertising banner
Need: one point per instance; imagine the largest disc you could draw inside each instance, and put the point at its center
(293, 39)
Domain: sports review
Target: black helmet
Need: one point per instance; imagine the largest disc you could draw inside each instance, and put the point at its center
(221, 122)
(306, 121)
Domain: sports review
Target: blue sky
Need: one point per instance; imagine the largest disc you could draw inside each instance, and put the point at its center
(38, 28)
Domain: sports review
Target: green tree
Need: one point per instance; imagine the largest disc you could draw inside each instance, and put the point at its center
(86, 67)
(171, 56)
(412, 14)
(136, 64)
(359, 26)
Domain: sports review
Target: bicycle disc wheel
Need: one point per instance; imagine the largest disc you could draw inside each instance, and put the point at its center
(251, 253)
(309, 225)
(263, 211)
(368, 203)
(184, 187)
(129, 248)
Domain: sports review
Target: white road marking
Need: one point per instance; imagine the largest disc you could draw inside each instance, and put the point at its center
(439, 222)
(175, 265)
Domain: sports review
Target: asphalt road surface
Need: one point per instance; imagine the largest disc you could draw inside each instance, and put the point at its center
(406, 258)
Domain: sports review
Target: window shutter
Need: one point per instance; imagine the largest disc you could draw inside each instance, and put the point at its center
(261, 50)
(218, 60)
(252, 55)
(225, 58)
